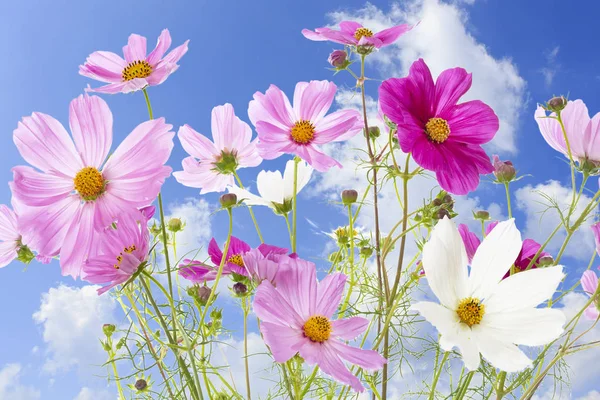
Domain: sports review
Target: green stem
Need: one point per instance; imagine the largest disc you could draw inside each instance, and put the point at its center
(508, 200)
(309, 381)
(500, 385)
(437, 374)
(287, 222)
(239, 181)
(111, 355)
(465, 386)
(148, 103)
(295, 202)
(245, 307)
(572, 162)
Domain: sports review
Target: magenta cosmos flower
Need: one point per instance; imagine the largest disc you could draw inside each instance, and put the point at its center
(138, 69)
(197, 271)
(120, 252)
(528, 250)
(582, 131)
(78, 190)
(211, 166)
(589, 283)
(352, 33)
(300, 129)
(442, 136)
(296, 317)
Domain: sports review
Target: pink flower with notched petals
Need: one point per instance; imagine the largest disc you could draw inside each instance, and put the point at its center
(138, 69)
(120, 252)
(76, 190)
(9, 235)
(302, 128)
(442, 135)
(211, 166)
(589, 283)
(296, 317)
(352, 33)
(197, 271)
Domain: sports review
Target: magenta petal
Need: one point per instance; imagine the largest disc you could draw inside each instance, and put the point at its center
(214, 252)
(450, 86)
(237, 247)
(473, 122)
(461, 173)
(349, 328)
(470, 240)
(269, 250)
(91, 124)
(194, 271)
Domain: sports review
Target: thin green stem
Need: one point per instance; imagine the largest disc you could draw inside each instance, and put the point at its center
(500, 385)
(289, 228)
(436, 376)
(150, 114)
(246, 309)
(239, 181)
(508, 199)
(311, 378)
(111, 355)
(295, 203)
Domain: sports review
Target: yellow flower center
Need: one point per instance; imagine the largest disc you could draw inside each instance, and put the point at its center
(129, 250)
(360, 32)
(317, 328)
(236, 259)
(303, 132)
(437, 130)
(136, 69)
(470, 311)
(89, 183)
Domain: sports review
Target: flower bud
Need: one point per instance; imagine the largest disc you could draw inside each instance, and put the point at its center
(240, 289)
(366, 252)
(504, 170)
(545, 261)
(141, 384)
(374, 132)
(349, 196)
(395, 142)
(448, 199)
(25, 255)
(228, 200)
(106, 346)
(155, 229)
(203, 293)
(121, 343)
(175, 225)
(481, 215)
(441, 213)
(338, 59)
(108, 329)
(436, 202)
(556, 104)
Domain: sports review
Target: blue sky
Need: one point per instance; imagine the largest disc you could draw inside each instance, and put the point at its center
(531, 49)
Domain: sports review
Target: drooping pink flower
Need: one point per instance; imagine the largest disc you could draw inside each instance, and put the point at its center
(9, 235)
(78, 190)
(120, 252)
(211, 166)
(589, 283)
(443, 136)
(138, 69)
(296, 317)
(596, 231)
(197, 271)
(302, 128)
(352, 33)
(582, 131)
(266, 262)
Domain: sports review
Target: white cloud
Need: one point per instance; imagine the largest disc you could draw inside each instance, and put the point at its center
(93, 394)
(552, 67)
(11, 387)
(539, 224)
(72, 320)
(592, 395)
(443, 41)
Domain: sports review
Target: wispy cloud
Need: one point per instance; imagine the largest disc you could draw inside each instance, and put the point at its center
(552, 66)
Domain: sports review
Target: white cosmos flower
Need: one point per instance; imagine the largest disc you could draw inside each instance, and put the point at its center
(275, 191)
(480, 312)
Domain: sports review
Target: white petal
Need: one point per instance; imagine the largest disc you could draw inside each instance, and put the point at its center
(493, 258)
(524, 290)
(466, 341)
(270, 186)
(304, 174)
(445, 263)
(505, 356)
(249, 198)
(445, 320)
(532, 327)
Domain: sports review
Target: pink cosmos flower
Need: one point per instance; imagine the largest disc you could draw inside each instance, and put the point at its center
(296, 317)
(443, 136)
(352, 33)
(77, 190)
(10, 237)
(583, 133)
(138, 69)
(197, 271)
(120, 252)
(589, 283)
(528, 250)
(300, 129)
(211, 166)
(596, 231)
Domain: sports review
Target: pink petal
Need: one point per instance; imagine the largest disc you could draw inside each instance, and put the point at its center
(228, 131)
(332, 365)
(589, 282)
(78, 241)
(281, 340)
(91, 123)
(270, 306)
(576, 119)
(318, 160)
(592, 312)
(349, 27)
(338, 126)
(162, 45)
(390, 35)
(175, 55)
(45, 144)
(161, 73)
(248, 155)
(196, 144)
(367, 359)
(349, 328)
(109, 206)
(8, 252)
(470, 240)
(202, 175)
(273, 107)
(329, 294)
(312, 100)
(591, 138)
(450, 86)
(135, 50)
(473, 122)
(596, 232)
(9, 230)
(298, 285)
(121, 87)
(310, 35)
(37, 189)
(103, 66)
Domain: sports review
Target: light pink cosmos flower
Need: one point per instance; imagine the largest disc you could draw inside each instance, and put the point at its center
(138, 69)
(120, 252)
(296, 317)
(9, 235)
(77, 190)
(589, 283)
(583, 132)
(211, 166)
(442, 135)
(300, 129)
(352, 33)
